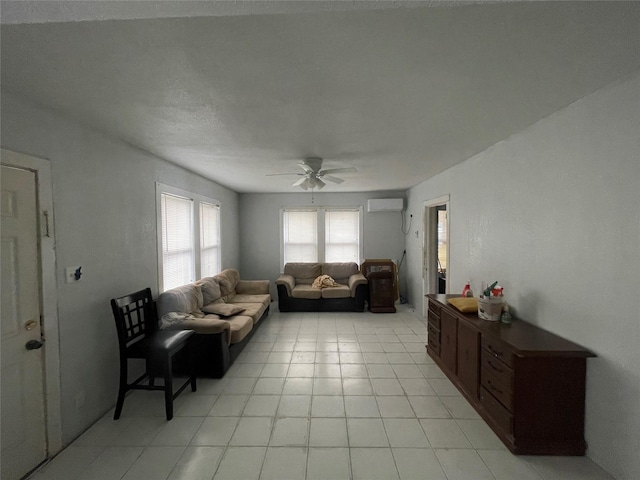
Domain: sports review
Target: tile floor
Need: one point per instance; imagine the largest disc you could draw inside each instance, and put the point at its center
(313, 396)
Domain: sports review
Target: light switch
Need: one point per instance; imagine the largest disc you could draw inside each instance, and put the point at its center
(72, 274)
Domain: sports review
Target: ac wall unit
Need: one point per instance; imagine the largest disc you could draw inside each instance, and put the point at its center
(384, 205)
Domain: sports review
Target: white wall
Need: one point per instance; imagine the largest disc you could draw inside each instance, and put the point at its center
(260, 226)
(105, 220)
(553, 213)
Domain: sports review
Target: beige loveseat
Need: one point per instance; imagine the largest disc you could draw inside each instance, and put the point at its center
(296, 292)
(223, 310)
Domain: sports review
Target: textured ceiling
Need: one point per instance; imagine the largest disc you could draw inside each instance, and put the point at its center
(235, 93)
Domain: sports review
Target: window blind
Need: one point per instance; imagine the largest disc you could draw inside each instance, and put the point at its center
(300, 236)
(342, 236)
(177, 241)
(209, 239)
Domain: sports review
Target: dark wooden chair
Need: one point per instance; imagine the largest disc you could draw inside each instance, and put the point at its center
(139, 337)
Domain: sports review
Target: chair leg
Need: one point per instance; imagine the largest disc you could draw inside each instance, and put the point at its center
(168, 388)
(122, 389)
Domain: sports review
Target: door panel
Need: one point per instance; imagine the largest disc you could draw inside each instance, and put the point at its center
(23, 421)
(468, 358)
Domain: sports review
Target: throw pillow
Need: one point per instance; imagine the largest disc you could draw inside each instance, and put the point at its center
(223, 309)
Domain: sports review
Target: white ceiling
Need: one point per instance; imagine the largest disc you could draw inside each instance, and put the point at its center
(238, 90)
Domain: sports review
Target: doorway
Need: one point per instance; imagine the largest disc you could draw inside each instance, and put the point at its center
(435, 250)
(30, 400)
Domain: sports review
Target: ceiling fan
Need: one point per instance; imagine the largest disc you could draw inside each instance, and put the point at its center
(313, 176)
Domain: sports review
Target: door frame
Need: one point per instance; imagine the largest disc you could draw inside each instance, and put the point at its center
(48, 295)
(430, 246)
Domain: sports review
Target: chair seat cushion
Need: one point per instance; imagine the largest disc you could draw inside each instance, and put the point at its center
(159, 343)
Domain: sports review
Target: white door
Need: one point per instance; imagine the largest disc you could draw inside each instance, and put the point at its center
(23, 435)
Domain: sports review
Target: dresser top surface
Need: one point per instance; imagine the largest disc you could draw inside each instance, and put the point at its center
(523, 337)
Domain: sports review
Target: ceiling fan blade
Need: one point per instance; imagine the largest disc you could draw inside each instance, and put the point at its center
(305, 167)
(299, 182)
(332, 179)
(339, 170)
(288, 173)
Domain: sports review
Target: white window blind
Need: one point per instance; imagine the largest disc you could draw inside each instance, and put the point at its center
(300, 235)
(342, 236)
(209, 239)
(177, 241)
(322, 235)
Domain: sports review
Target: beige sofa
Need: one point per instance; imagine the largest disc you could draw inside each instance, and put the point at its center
(223, 310)
(297, 294)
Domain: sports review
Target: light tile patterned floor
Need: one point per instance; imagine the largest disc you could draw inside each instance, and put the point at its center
(313, 396)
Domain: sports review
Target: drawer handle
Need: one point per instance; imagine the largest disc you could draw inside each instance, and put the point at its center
(497, 369)
(494, 352)
(493, 387)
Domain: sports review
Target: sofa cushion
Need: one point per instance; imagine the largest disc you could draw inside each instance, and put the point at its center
(240, 326)
(210, 290)
(185, 299)
(243, 298)
(340, 291)
(228, 279)
(306, 291)
(340, 272)
(253, 310)
(223, 309)
(253, 287)
(304, 273)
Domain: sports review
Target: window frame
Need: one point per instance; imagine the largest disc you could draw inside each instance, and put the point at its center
(196, 200)
(321, 230)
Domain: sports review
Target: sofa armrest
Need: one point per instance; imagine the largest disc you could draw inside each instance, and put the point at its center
(206, 325)
(288, 281)
(355, 280)
(252, 287)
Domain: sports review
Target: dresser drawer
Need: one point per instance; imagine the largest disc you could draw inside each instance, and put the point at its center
(497, 350)
(434, 333)
(498, 369)
(501, 391)
(501, 416)
(434, 307)
(435, 320)
(434, 347)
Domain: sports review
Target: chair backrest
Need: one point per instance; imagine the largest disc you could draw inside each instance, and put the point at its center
(134, 315)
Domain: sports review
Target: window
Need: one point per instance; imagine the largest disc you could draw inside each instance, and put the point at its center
(321, 235)
(300, 236)
(177, 241)
(342, 236)
(209, 239)
(189, 240)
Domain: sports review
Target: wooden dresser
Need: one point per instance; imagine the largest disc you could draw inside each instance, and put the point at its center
(526, 383)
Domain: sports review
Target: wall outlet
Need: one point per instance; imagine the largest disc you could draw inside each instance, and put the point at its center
(72, 274)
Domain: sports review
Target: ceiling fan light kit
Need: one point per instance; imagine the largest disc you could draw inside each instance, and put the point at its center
(313, 177)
